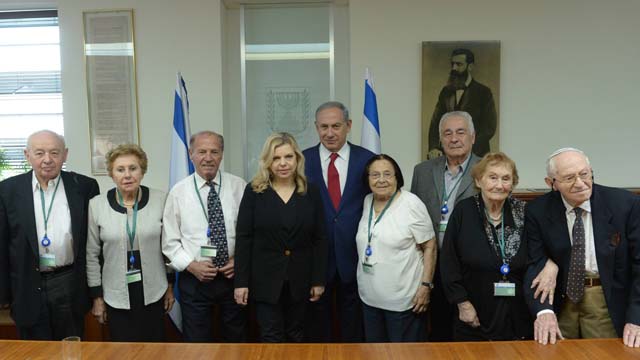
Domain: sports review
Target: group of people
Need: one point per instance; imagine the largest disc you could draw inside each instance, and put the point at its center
(456, 258)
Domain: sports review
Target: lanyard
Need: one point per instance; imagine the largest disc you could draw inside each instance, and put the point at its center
(445, 197)
(368, 252)
(204, 211)
(131, 231)
(504, 269)
(45, 214)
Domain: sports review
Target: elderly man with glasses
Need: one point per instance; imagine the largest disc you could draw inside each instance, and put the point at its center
(593, 233)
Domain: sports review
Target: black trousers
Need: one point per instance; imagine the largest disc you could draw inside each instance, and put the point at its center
(57, 319)
(284, 321)
(348, 311)
(139, 323)
(441, 313)
(197, 300)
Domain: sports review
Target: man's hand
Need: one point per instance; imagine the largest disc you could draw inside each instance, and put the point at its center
(316, 292)
(467, 313)
(241, 295)
(546, 282)
(5, 306)
(227, 270)
(546, 329)
(99, 310)
(203, 270)
(631, 335)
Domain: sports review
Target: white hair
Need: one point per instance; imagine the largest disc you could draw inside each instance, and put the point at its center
(551, 164)
(59, 137)
(463, 114)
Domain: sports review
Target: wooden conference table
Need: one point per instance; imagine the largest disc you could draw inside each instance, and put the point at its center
(566, 349)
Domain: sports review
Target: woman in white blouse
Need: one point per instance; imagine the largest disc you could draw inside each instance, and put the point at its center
(125, 267)
(396, 251)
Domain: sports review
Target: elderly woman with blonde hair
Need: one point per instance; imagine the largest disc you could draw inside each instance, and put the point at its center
(280, 250)
(125, 267)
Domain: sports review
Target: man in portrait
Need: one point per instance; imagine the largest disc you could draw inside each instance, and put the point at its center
(463, 93)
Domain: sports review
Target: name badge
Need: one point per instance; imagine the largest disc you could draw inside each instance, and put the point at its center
(47, 260)
(208, 251)
(134, 276)
(367, 268)
(504, 289)
(442, 226)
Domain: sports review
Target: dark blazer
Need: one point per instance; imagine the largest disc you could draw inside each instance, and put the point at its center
(428, 184)
(341, 225)
(20, 280)
(616, 229)
(469, 266)
(277, 242)
(477, 100)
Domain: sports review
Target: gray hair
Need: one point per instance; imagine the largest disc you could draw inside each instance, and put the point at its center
(334, 105)
(206, 133)
(551, 163)
(59, 137)
(463, 114)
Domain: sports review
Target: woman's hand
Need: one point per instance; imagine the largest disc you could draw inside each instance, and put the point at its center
(467, 314)
(316, 292)
(99, 310)
(421, 299)
(241, 295)
(169, 299)
(546, 282)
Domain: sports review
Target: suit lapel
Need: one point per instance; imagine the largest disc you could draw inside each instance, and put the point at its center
(438, 178)
(28, 212)
(75, 208)
(602, 231)
(466, 180)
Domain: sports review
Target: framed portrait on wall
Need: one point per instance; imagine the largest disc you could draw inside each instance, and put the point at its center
(461, 76)
(111, 82)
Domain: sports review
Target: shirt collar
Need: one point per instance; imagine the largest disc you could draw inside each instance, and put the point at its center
(461, 166)
(35, 185)
(201, 182)
(342, 153)
(586, 206)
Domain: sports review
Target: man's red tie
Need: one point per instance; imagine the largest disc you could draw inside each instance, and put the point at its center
(333, 180)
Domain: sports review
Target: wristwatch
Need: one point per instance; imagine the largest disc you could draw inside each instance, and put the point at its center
(427, 284)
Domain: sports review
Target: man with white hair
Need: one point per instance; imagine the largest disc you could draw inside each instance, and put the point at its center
(43, 236)
(592, 232)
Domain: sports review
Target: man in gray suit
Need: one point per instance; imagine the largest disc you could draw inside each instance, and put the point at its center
(441, 183)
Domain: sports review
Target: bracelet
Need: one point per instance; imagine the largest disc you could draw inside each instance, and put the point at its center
(427, 284)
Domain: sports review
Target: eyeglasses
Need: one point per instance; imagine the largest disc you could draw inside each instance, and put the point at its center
(585, 175)
(377, 175)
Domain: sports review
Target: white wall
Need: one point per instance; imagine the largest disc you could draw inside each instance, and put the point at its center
(569, 76)
(170, 36)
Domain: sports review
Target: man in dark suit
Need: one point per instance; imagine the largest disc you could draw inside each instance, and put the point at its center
(443, 182)
(336, 167)
(592, 233)
(463, 93)
(42, 243)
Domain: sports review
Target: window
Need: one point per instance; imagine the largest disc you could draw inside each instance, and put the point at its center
(30, 91)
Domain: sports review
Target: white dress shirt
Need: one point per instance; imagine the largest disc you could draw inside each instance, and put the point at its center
(58, 224)
(341, 164)
(590, 262)
(185, 224)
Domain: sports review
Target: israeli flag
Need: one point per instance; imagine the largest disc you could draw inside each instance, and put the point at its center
(180, 165)
(370, 138)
